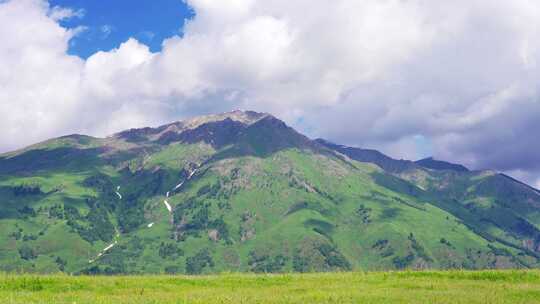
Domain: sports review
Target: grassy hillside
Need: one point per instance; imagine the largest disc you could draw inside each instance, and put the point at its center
(244, 192)
(376, 287)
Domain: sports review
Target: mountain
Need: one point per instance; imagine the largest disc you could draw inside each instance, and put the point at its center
(431, 163)
(242, 191)
(371, 156)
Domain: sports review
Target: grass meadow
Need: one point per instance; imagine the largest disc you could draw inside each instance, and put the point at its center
(371, 287)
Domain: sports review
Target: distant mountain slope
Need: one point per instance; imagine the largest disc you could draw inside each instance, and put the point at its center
(242, 191)
(431, 163)
(371, 156)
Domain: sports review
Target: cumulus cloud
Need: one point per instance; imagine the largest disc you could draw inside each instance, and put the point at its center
(39, 83)
(462, 76)
(58, 13)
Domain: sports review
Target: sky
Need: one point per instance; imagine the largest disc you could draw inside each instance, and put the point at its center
(105, 25)
(458, 80)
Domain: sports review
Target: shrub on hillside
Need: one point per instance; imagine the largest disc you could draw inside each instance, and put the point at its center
(197, 263)
(22, 190)
(263, 262)
(419, 249)
(173, 269)
(26, 212)
(170, 251)
(27, 253)
(334, 258)
(61, 263)
(403, 262)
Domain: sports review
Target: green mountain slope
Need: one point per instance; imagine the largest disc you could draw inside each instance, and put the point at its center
(242, 191)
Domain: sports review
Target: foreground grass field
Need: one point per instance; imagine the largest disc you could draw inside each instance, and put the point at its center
(376, 287)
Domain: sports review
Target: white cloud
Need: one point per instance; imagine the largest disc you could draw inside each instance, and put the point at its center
(61, 13)
(106, 31)
(78, 31)
(463, 74)
(39, 83)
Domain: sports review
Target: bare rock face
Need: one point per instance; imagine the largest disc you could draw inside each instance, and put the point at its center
(216, 134)
(247, 229)
(213, 234)
(192, 129)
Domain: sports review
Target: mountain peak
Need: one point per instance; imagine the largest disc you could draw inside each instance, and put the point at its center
(244, 117)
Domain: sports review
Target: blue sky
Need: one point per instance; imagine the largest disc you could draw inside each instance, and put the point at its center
(109, 23)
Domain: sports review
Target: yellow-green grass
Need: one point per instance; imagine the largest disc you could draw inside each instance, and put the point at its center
(371, 287)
